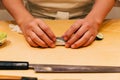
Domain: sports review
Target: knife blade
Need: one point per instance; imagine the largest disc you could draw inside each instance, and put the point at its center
(54, 68)
(7, 77)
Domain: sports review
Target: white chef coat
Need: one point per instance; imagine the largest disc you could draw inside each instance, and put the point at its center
(60, 9)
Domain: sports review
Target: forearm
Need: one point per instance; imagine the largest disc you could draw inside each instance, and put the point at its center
(17, 10)
(100, 10)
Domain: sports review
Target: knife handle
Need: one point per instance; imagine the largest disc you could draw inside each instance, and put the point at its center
(13, 65)
(6, 77)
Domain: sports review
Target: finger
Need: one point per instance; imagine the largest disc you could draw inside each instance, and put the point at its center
(31, 42)
(37, 40)
(89, 41)
(47, 30)
(71, 30)
(77, 35)
(82, 40)
(42, 35)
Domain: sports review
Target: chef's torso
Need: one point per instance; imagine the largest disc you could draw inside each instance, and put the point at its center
(60, 9)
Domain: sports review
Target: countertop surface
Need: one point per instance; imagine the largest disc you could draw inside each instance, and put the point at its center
(105, 52)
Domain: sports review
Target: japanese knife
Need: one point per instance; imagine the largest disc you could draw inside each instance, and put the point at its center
(11, 77)
(6, 77)
(54, 68)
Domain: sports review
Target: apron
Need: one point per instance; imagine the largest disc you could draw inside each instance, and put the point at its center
(59, 9)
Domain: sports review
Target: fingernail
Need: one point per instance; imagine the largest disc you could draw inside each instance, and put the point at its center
(65, 38)
(67, 45)
(45, 46)
(73, 46)
(53, 45)
(54, 39)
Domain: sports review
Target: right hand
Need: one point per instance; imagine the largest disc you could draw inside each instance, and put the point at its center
(38, 34)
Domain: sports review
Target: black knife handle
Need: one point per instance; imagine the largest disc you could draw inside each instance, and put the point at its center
(28, 78)
(13, 65)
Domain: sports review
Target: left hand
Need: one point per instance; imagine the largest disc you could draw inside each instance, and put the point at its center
(82, 33)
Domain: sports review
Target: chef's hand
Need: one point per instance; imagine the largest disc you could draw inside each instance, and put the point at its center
(82, 33)
(38, 34)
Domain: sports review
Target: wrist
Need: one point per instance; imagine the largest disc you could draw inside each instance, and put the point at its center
(24, 20)
(94, 19)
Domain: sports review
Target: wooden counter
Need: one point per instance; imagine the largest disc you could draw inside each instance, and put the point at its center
(105, 52)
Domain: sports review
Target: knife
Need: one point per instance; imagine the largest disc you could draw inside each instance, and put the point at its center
(6, 77)
(54, 68)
